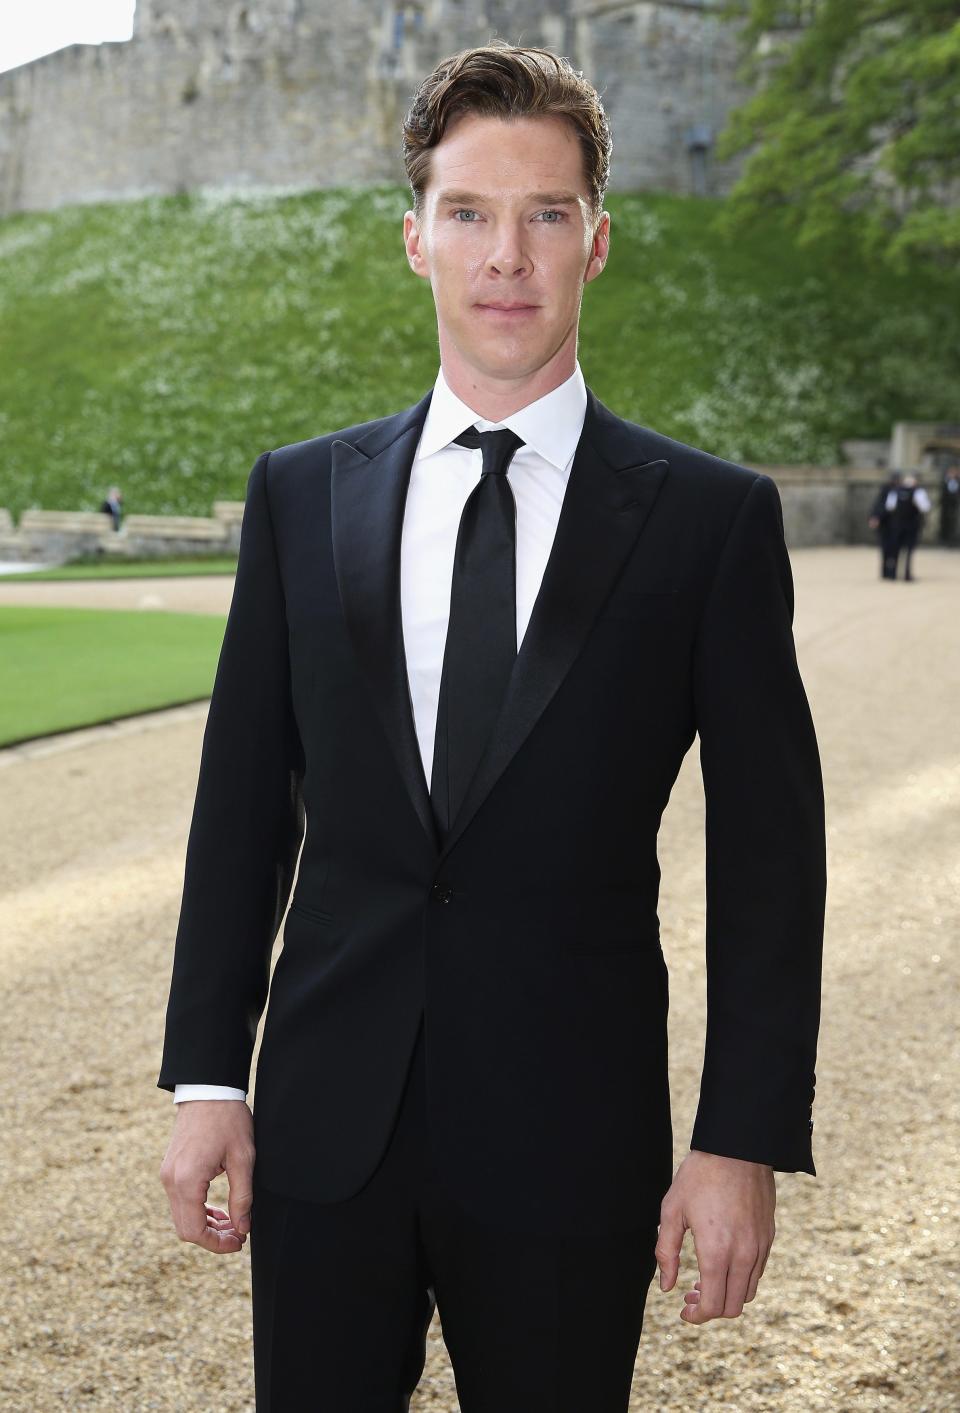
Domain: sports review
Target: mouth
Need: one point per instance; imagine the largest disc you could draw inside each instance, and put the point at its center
(508, 311)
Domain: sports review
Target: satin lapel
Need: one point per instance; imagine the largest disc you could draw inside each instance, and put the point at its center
(605, 506)
(368, 488)
(608, 498)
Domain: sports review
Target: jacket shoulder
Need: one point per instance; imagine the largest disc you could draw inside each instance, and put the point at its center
(712, 484)
(312, 448)
(297, 468)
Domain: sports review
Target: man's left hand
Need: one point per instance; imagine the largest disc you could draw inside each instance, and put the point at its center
(728, 1204)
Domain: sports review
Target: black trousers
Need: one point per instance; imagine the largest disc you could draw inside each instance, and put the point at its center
(889, 552)
(892, 544)
(344, 1292)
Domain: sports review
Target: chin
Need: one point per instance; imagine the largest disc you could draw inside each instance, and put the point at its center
(510, 367)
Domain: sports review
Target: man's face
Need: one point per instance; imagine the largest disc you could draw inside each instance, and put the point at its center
(506, 221)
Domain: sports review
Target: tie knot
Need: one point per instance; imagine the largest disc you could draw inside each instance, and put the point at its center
(497, 447)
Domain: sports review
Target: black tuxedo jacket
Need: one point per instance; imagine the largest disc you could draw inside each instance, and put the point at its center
(528, 938)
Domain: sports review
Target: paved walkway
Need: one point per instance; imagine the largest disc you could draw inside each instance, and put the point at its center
(104, 1308)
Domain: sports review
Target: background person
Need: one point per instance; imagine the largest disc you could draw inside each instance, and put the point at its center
(112, 505)
(881, 520)
(910, 503)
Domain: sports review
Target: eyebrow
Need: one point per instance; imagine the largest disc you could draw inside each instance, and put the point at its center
(549, 198)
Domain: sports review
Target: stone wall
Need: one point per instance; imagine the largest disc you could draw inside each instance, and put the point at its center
(826, 505)
(821, 506)
(63, 536)
(308, 93)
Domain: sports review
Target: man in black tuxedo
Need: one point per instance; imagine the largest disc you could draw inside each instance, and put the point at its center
(468, 648)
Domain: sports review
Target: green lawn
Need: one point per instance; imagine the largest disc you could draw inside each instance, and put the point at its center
(129, 569)
(69, 667)
(162, 344)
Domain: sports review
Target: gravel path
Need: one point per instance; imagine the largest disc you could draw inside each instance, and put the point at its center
(103, 1307)
(194, 593)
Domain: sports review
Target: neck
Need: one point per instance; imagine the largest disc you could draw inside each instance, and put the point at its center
(493, 396)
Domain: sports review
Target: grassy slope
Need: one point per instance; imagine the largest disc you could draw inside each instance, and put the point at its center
(164, 343)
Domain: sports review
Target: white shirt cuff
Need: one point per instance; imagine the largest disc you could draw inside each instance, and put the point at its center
(206, 1091)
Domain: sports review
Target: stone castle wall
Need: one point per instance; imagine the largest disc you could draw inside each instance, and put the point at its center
(308, 93)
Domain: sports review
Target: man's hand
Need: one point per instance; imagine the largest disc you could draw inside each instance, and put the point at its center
(210, 1137)
(728, 1204)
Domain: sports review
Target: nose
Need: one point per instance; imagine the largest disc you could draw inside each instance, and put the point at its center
(507, 255)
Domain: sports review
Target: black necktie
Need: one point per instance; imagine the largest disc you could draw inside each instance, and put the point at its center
(481, 644)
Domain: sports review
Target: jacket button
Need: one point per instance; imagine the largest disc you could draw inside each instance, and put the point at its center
(441, 893)
(810, 1125)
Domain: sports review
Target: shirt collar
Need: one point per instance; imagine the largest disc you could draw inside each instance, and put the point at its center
(551, 425)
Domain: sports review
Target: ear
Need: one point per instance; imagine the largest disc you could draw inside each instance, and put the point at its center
(599, 247)
(412, 240)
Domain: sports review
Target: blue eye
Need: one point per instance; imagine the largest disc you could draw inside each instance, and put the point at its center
(468, 211)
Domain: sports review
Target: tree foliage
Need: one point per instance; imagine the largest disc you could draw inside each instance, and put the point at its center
(854, 125)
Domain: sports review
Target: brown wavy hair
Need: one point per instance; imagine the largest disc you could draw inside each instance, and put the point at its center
(506, 81)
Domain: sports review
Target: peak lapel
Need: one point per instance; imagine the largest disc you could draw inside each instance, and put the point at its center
(608, 497)
(368, 488)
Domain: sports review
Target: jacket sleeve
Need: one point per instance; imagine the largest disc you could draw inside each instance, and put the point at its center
(246, 828)
(765, 852)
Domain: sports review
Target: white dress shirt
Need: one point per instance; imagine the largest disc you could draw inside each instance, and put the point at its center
(920, 499)
(441, 478)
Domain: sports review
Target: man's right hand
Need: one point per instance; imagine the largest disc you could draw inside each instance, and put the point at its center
(210, 1137)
